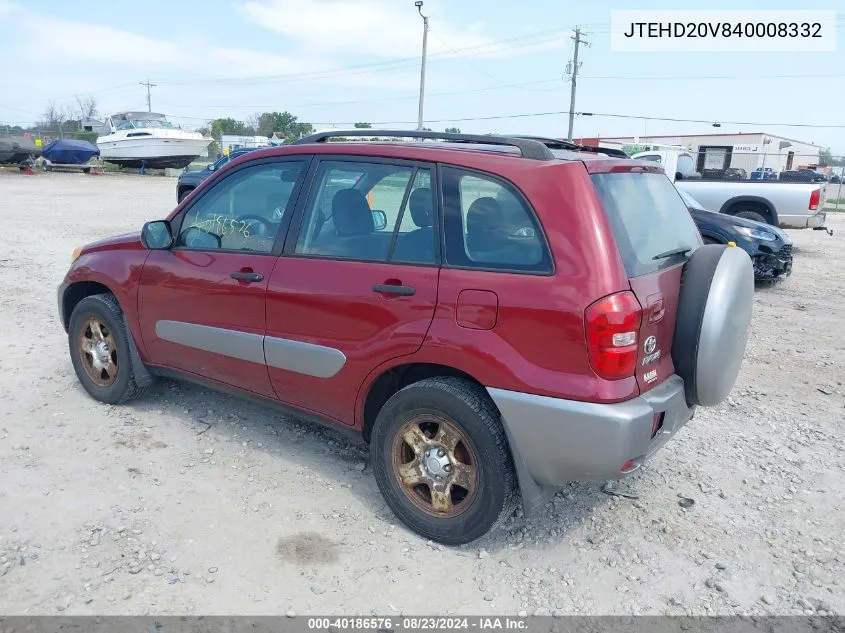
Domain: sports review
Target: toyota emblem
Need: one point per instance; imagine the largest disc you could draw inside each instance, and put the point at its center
(649, 345)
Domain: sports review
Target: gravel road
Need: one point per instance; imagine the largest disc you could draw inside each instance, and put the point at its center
(191, 502)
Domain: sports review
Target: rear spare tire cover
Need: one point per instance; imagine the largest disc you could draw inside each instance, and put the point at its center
(714, 315)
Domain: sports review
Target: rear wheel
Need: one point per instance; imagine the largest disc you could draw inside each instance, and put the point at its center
(99, 350)
(442, 462)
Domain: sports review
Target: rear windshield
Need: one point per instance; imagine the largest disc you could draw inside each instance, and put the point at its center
(649, 220)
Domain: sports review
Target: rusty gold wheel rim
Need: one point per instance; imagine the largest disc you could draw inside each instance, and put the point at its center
(97, 352)
(435, 465)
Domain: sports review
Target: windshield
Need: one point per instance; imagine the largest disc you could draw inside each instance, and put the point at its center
(131, 124)
(691, 202)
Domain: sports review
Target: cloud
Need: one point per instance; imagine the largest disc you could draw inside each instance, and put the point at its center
(380, 28)
(109, 48)
(7, 8)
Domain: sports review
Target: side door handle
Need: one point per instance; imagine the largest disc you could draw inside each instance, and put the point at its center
(249, 277)
(390, 289)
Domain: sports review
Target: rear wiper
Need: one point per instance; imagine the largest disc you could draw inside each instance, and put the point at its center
(681, 250)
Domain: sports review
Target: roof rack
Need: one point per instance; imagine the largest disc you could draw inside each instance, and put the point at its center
(529, 148)
(556, 143)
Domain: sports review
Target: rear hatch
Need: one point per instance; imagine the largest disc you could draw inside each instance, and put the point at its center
(655, 234)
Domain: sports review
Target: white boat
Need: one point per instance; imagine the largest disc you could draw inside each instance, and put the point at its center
(148, 139)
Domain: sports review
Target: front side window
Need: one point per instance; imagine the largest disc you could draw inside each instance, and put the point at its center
(489, 225)
(370, 212)
(244, 211)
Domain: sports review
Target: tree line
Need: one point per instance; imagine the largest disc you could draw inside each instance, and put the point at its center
(281, 125)
(67, 120)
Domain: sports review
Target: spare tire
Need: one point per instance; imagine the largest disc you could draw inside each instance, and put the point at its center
(714, 314)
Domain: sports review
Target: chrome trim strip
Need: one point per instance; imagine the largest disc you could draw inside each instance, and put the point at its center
(303, 358)
(288, 354)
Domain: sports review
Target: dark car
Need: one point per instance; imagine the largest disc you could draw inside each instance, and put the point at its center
(735, 173)
(190, 180)
(769, 247)
(764, 173)
(802, 175)
(494, 322)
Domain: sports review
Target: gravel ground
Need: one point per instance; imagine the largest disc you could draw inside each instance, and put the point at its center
(188, 501)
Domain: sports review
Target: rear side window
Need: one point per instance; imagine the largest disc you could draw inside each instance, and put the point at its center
(649, 220)
(489, 225)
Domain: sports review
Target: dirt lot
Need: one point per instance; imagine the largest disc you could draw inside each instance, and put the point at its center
(188, 501)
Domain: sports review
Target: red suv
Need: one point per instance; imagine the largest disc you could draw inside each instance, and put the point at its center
(496, 317)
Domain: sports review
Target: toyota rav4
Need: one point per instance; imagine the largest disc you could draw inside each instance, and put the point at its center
(493, 316)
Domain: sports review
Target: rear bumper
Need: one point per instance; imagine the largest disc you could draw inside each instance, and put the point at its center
(802, 221)
(559, 441)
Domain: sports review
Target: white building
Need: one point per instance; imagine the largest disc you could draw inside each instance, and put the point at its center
(748, 151)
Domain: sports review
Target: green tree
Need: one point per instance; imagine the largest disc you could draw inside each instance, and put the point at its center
(363, 125)
(633, 149)
(826, 158)
(230, 126)
(283, 125)
(452, 130)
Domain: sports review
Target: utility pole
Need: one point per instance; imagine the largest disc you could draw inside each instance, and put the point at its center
(148, 85)
(418, 4)
(578, 42)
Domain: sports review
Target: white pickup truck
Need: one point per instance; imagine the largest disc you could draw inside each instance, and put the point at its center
(791, 205)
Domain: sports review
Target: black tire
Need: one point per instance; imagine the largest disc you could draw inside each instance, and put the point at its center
(751, 215)
(469, 409)
(105, 308)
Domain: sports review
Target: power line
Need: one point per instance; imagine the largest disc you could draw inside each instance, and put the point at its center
(723, 77)
(611, 115)
(591, 114)
(383, 66)
(376, 100)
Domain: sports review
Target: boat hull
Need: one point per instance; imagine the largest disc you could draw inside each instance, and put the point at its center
(17, 149)
(153, 152)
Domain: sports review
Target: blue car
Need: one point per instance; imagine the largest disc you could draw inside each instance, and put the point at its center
(769, 247)
(190, 180)
(765, 173)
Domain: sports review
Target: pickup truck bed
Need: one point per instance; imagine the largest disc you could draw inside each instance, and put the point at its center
(791, 205)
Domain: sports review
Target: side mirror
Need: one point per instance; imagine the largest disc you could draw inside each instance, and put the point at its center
(210, 167)
(195, 237)
(379, 219)
(156, 235)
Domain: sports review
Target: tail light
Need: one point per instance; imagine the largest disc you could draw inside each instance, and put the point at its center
(815, 198)
(612, 326)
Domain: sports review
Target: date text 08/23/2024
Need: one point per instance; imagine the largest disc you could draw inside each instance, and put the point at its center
(416, 623)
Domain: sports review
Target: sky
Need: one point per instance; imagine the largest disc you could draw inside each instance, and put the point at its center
(335, 62)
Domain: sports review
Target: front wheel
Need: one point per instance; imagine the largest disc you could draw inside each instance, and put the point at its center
(751, 215)
(442, 462)
(99, 350)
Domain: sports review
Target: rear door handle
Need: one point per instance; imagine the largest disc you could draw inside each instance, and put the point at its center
(246, 276)
(405, 291)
